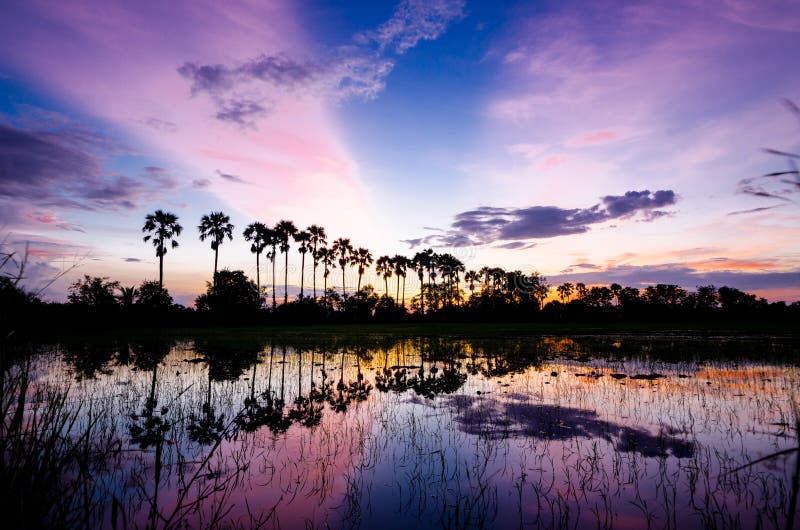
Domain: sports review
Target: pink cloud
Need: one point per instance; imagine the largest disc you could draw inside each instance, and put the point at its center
(598, 137)
(551, 162)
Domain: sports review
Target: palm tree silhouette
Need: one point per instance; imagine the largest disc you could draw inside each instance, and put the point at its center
(343, 250)
(363, 259)
(215, 226)
(383, 266)
(285, 230)
(317, 238)
(163, 226)
(304, 238)
(257, 234)
(328, 259)
(127, 295)
(565, 291)
(272, 241)
(472, 277)
(401, 264)
(420, 264)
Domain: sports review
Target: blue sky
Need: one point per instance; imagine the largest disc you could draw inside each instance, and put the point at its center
(586, 140)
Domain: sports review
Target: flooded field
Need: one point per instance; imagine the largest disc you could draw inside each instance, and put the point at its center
(544, 432)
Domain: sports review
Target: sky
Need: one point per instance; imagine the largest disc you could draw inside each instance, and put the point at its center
(592, 142)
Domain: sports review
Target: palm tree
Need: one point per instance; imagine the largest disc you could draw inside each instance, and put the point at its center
(362, 258)
(257, 234)
(303, 237)
(328, 259)
(344, 250)
(472, 277)
(317, 239)
(272, 242)
(127, 295)
(163, 226)
(420, 264)
(401, 264)
(215, 226)
(564, 291)
(384, 266)
(285, 230)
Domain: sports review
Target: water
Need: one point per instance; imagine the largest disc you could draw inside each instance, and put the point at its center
(433, 433)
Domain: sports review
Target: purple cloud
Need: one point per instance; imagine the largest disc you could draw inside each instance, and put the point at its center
(489, 224)
(64, 168)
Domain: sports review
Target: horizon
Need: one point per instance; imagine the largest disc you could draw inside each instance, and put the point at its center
(593, 143)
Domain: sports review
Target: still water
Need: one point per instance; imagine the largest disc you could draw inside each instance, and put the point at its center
(538, 432)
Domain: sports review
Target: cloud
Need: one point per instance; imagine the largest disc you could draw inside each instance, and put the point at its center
(160, 125)
(489, 224)
(201, 183)
(246, 92)
(413, 21)
(63, 168)
(754, 210)
(243, 112)
(132, 260)
(686, 276)
(516, 245)
(231, 178)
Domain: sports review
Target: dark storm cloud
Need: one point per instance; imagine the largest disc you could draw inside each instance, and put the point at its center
(64, 169)
(489, 224)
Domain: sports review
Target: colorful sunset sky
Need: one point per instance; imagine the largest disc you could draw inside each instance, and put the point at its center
(592, 141)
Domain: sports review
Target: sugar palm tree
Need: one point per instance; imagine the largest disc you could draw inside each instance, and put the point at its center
(317, 238)
(304, 238)
(564, 291)
(285, 231)
(215, 226)
(384, 267)
(343, 250)
(472, 277)
(420, 264)
(257, 234)
(401, 264)
(363, 259)
(328, 259)
(271, 242)
(163, 227)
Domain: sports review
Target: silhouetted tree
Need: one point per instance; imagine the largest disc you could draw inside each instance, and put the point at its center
(93, 291)
(163, 227)
(257, 233)
(233, 293)
(285, 231)
(362, 258)
(317, 238)
(384, 268)
(304, 238)
(401, 265)
(215, 226)
(152, 295)
(343, 250)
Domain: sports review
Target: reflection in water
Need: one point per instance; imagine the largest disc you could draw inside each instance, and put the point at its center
(248, 432)
(489, 418)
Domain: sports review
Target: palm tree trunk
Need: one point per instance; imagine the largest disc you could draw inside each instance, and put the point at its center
(386, 286)
(216, 257)
(359, 282)
(325, 287)
(273, 281)
(397, 291)
(404, 291)
(161, 269)
(258, 278)
(343, 293)
(302, 272)
(314, 275)
(286, 279)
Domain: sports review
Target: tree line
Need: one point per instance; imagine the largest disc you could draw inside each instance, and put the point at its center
(446, 288)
